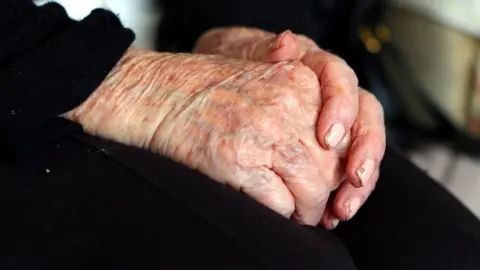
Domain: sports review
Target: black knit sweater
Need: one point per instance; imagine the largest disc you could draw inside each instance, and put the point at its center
(49, 64)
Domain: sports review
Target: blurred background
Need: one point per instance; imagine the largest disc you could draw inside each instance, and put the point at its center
(421, 58)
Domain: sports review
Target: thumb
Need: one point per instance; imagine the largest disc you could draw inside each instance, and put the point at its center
(282, 47)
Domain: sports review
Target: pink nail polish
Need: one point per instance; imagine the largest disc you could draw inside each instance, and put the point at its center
(279, 40)
(344, 146)
(335, 223)
(274, 45)
(334, 135)
(352, 206)
(365, 171)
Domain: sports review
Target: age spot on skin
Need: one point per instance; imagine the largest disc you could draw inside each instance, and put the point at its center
(291, 76)
(340, 90)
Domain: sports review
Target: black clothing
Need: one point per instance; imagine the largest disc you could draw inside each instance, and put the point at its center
(81, 203)
(49, 64)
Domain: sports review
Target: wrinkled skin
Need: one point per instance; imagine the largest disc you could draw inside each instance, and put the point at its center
(344, 105)
(249, 125)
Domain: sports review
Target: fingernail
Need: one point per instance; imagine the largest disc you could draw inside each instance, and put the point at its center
(352, 206)
(273, 45)
(343, 147)
(334, 135)
(365, 171)
(335, 223)
(279, 40)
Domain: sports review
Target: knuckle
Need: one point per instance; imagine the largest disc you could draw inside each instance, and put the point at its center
(306, 40)
(332, 66)
(349, 101)
(363, 131)
(315, 199)
(354, 78)
(337, 63)
(291, 66)
(331, 57)
(370, 99)
(378, 141)
(371, 102)
(290, 98)
(264, 124)
(305, 77)
(372, 138)
(334, 178)
(295, 157)
(272, 196)
(376, 105)
(352, 73)
(343, 84)
(297, 71)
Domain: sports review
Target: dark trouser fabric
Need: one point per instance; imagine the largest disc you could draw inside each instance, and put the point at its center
(87, 204)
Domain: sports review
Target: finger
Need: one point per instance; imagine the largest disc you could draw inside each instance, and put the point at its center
(266, 47)
(344, 146)
(349, 199)
(329, 220)
(294, 166)
(339, 91)
(368, 141)
(307, 43)
(282, 47)
(218, 39)
(299, 167)
(268, 189)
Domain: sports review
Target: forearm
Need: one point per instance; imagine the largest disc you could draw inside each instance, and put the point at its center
(131, 104)
(111, 110)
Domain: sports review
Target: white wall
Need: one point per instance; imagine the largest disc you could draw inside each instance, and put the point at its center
(138, 15)
(461, 14)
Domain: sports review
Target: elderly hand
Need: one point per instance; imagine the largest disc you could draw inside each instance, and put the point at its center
(345, 107)
(249, 125)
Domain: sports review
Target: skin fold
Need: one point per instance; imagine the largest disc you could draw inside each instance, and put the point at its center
(251, 125)
(348, 111)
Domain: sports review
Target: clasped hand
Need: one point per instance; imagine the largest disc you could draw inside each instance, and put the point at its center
(267, 115)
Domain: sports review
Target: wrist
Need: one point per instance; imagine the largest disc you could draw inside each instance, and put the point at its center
(111, 111)
(136, 99)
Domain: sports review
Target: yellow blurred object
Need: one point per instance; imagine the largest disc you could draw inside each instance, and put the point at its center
(373, 46)
(383, 33)
(371, 43)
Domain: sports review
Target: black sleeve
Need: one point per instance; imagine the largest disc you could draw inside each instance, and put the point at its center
(185, 20)
(49, 64)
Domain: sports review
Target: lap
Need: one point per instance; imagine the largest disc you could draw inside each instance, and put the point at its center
(411, 222)
(74, 207)
(106, 206)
